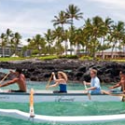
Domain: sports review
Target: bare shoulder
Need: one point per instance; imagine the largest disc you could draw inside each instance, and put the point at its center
(62, 80)
(22, 75)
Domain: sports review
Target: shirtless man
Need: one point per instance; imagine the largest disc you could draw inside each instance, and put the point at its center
(20, 80)
(121, 83)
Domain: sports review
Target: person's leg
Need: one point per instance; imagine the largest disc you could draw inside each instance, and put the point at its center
(105, 92)
(56, 91)
(16, 91)
(62, 92)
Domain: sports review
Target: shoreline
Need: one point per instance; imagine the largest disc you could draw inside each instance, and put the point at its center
(77, 70)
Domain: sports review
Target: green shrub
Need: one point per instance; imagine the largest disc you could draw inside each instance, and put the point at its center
(69, 57)
(48, 57)
(4, 59)
(86, 58)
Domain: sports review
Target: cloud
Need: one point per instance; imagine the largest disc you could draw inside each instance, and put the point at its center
(30, 17)
(111, 3)
(29, 21)
(31, 1)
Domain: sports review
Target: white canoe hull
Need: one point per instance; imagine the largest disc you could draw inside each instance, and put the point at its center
(62, 119)
(50, 97)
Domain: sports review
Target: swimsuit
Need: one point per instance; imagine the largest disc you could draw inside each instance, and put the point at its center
(63, 89)
(17, 91)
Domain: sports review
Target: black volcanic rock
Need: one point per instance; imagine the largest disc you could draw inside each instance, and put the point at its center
(76, 70)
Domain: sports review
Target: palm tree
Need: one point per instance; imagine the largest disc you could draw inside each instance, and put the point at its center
(57, 34)
(9, 34)
(9, 38)
(31, 45)
(73, 12)
(66, 38)
(49, 37)
(78, 39)
(94, 29)
(105, 45)
(117, 35)
(16, 41)
(39, 42)
(61, 19)
(3, 43)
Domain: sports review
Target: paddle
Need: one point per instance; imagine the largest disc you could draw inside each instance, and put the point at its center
(89, 95)
(49, 81)
(112, 94)
(4, 78)
(31, 104)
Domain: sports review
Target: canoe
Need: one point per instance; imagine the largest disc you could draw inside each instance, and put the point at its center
(62, 119)
(49, 96)
(55, 119)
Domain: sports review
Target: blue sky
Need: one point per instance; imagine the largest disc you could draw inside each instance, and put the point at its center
(30, 17)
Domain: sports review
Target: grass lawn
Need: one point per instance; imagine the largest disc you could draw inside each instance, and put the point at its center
(118, 60)
(50, 57)
(5, 59)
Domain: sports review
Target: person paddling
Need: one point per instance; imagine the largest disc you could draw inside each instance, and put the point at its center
(121, 83)
(95, 87)
(61, 82)
(19, 79)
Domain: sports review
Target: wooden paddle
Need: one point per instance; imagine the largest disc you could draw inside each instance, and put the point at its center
(89, 95)
(4, 78)
(49, 81)
(32, 104)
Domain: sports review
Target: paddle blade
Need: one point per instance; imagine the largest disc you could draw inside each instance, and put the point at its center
(47, 86)
(32, 103)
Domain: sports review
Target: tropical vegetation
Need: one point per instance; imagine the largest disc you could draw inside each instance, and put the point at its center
(95, 35)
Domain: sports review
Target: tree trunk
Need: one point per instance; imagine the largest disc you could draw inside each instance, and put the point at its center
(15, 49)
(78, 48)
(3, 52)
(71, 42)
(66, 46)
(103, 57)
(112, 55)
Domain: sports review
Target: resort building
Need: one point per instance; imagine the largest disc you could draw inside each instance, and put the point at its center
(7, 52)
(117, 53)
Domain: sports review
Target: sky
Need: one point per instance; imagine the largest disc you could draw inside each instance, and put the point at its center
(31, 17)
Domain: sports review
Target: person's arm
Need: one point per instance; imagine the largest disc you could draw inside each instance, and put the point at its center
(9, 82)
(57, 80)
(12, 72)
(87, 83)
(54, 85)
(54, 77)
(91, 88)
(96, 85)
(115, 86)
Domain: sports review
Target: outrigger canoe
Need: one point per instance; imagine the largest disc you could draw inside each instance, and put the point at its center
(62, 119)
(49, 96)
(58, 119)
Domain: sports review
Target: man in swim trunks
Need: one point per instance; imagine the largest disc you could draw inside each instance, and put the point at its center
(20, 80)
(121, 83)
(95, 87)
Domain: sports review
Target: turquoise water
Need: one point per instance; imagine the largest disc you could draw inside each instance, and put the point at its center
(62, 109)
